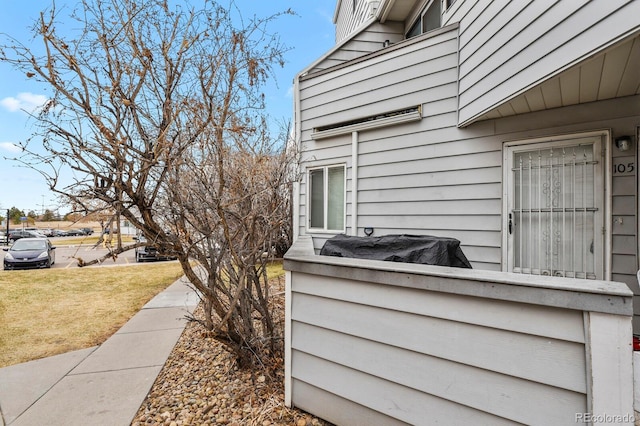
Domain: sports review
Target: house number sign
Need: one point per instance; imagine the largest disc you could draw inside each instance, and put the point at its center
(624, 166)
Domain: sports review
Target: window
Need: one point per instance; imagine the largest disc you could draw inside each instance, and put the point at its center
(390, 118)
(554, 208)
(428, 20)
(327, 198)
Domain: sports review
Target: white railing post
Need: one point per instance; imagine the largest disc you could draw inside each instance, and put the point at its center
(287, 340)
(610, 368)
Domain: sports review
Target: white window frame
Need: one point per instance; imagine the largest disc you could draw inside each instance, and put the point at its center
(325, 200)
(605, 189)
(419, 18)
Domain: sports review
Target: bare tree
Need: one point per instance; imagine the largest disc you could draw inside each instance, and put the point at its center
(158, 112)
(230, 209)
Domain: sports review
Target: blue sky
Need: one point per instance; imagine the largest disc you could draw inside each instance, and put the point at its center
(309, 35)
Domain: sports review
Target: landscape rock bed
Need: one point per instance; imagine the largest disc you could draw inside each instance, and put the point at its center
(201, 385)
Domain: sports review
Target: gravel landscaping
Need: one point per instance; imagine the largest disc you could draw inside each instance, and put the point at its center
(200, 385)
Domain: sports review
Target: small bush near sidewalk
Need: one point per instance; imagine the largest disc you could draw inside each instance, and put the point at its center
(52, 311)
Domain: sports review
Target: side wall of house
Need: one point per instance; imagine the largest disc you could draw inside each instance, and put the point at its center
(539, 38)
(624, 222)
(351, 15)
(375, 86)
(369, 343)
(431, 177)
(368, 40)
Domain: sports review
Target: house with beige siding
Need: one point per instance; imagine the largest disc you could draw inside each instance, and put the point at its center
(511, 126)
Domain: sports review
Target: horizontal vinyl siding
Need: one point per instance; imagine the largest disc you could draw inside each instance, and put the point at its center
(433, 179)
(379, 92)
(409, 407)
(343, 412)
(433, 355)
(384, 83)
(349, 19)
(539, 38)
(423, 181)
(529, 319)
(458, 11)
(387, 175)
(624, 242)
(368, 40)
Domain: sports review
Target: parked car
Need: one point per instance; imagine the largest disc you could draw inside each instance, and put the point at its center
(16, 235)
(149, 252)
(47, 232)
(3, 238)
(59, 233)
(75, 233)
(87, 231)
(30, 253)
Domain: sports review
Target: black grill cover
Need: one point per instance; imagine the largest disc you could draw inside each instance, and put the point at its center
(423, 249)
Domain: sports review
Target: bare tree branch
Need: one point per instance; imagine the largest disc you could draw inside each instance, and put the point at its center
(158, 113)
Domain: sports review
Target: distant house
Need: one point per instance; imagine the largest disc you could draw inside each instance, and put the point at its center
(511, 126)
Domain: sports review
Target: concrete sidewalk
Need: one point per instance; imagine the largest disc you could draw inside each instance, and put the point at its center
(103, 385)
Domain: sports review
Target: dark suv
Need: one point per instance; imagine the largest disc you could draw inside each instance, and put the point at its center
(149, 252)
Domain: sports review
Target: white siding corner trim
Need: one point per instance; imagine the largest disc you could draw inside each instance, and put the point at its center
(354, 183)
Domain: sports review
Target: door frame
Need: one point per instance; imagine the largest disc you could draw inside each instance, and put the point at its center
(605, 156)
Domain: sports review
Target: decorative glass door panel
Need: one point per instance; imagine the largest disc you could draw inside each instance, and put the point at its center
(555, 209)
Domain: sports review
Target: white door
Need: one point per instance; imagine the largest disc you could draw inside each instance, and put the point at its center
(554, 207)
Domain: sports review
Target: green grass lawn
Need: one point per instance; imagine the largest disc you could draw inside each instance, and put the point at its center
(46, 312)
(89, 240)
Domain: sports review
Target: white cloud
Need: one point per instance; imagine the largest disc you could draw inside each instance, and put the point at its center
(10, 146)
(24, 101)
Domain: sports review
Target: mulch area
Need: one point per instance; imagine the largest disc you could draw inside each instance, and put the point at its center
(200, 384)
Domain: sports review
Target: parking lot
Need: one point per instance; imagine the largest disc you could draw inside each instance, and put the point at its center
(67, 256)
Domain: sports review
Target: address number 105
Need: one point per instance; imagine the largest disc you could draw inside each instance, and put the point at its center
(624, 168)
